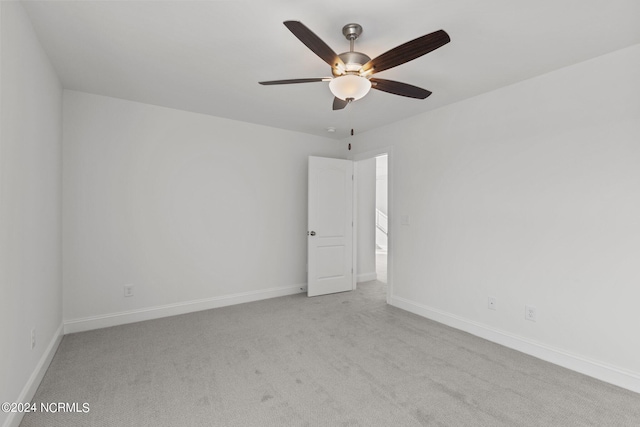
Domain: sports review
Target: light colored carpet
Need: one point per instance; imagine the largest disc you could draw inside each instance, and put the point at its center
(340, 360)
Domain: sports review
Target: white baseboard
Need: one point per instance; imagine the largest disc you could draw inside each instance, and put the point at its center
(29, 389)
(366, 277)
(599, 370)
(149, 313)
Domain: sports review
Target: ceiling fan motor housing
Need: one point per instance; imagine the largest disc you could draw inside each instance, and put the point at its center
(353, 62)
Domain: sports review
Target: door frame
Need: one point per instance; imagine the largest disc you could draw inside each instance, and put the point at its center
(390, 206)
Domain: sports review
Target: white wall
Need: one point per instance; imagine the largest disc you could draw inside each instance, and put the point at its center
(530, 194)
(190, 209)
(30, 200)
(366, 204)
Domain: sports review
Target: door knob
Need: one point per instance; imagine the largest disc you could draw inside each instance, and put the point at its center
(313, 233)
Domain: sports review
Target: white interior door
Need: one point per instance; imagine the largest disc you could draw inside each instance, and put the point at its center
(330, 233)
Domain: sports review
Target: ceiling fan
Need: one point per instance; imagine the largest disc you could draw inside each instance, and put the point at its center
(352, 70)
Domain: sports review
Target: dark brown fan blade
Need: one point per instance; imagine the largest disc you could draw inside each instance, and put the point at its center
(339, 104)
(406, 52)
(291, 81)
(398, 88)
(313, 42)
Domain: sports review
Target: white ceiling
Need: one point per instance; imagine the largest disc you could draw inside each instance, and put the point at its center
(207, 56)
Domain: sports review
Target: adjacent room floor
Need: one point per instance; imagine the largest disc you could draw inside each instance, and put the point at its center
(344, 359)
(381, 265)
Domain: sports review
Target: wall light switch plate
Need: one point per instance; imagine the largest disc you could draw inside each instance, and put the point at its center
(492, 304)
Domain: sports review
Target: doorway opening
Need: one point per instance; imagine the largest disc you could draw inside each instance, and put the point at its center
(373, 214)
(381, 217)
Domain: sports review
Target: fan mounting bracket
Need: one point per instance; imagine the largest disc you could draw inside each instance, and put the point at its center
(352, 31)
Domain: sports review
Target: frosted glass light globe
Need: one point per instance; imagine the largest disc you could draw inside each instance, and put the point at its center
(350, 86)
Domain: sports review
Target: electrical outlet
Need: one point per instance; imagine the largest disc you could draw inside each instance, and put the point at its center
(128, 290)
(33, 338)
(530, 313)
(492, 304)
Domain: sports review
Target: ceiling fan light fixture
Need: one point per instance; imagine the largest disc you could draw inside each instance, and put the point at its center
(352, 71)
(350, 86)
